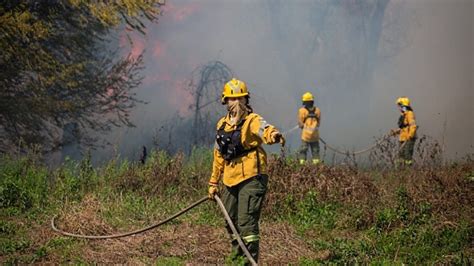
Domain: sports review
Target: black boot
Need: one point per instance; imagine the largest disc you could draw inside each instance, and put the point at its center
(253, 248)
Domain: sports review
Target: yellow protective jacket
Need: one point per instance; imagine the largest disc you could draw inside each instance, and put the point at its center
(255, 131)
(310, 125)
(408, 128)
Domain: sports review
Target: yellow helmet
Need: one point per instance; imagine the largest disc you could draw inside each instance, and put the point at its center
(307, 97)
(403, 101)
(234, 88)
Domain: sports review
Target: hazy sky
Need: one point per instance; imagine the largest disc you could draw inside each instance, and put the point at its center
(284, 48)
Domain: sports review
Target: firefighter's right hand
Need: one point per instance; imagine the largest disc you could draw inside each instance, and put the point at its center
(212, 190)
(394, 132)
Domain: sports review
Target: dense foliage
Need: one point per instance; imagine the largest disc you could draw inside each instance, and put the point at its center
(58, 71)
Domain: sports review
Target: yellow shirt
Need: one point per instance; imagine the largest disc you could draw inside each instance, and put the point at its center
(255, 131)
(408, 132)
(310, 126)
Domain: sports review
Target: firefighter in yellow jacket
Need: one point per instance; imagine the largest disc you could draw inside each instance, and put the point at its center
(309, 119)
(406, 130)
(240, 159)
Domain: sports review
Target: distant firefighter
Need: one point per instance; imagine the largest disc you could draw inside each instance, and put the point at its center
(406, 130)
(309, 119)
(143, 155)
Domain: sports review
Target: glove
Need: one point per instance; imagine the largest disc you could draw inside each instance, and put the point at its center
(212, 190)
(277, 137)
(394, 132)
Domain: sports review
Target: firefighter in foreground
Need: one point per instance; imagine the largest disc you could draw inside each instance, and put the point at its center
(309, 119)
(406, 131)
(241, 160)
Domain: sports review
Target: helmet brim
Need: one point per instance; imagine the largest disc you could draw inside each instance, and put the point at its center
(237, 95)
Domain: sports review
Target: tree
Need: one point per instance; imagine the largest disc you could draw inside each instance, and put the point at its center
(205, 86)
(183, 133)
(57, 68)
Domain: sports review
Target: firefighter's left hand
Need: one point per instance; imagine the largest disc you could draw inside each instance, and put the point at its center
(212, 190)
(277, 137)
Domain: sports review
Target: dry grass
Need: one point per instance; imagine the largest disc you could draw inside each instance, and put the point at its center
(195, 244)
(447, 189)
(84, 219)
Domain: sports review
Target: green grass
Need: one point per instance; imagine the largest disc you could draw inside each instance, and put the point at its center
(310, 213)
(396, 236)
(397, 230)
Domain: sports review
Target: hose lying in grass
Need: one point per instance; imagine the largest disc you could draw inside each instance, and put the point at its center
(142, 230)
(377, 143)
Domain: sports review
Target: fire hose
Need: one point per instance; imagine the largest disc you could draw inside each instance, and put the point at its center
(377, 143)
(142, 230)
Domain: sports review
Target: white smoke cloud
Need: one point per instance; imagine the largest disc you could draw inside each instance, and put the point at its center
(284, 48)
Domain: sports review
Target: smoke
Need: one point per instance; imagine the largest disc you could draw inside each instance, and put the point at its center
(357, 57)
(435, 70)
